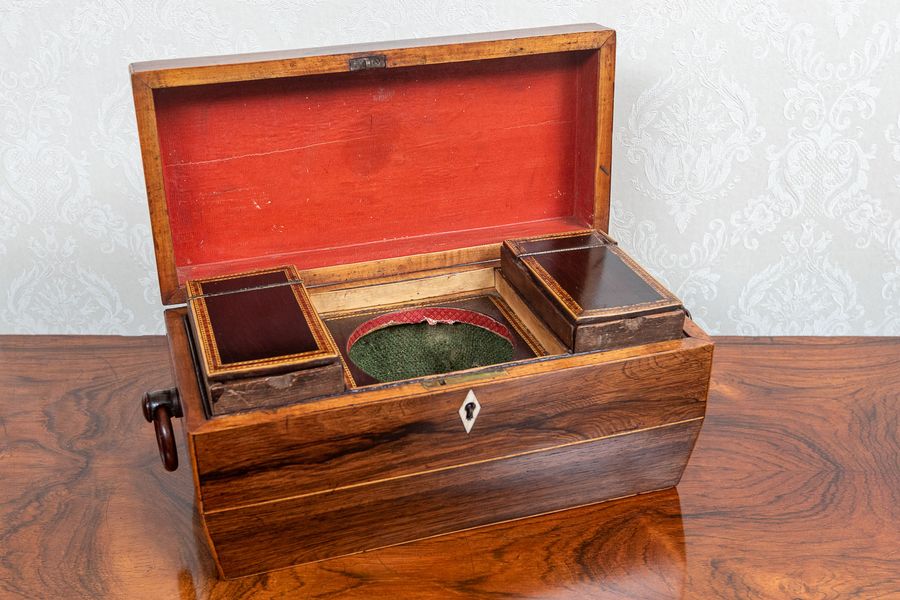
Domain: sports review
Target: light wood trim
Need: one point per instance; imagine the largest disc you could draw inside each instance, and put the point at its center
(513, 319)
(693, 330)
(410, 290)
(399, 267)
(170, 291)
(344, 285)
(603, 167)
(183, 368)
(534, 325)
(316, 61)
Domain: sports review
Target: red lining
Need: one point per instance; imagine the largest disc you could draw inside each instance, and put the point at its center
(349, 167)
(432, 315)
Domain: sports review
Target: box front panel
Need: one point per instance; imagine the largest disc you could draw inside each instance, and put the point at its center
(309, 528)
(314, 451)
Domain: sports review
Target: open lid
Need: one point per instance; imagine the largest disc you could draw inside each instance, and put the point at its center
(356, 153)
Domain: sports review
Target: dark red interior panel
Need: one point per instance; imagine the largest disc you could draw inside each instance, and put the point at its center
(348, 167)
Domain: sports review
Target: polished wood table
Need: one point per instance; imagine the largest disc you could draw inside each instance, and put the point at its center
(792, 492)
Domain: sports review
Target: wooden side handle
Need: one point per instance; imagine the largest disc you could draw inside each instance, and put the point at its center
(159, 407)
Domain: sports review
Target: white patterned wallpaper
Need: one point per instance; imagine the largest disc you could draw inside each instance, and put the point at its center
(757, 147)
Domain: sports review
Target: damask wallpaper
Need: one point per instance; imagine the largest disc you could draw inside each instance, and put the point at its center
(757, 147)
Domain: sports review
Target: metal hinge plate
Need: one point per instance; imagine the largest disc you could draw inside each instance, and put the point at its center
(361, 63)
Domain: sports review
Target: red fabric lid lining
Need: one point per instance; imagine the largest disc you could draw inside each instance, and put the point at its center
(347, 167)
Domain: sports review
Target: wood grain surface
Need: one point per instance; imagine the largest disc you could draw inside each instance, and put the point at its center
(325, 450)
(793, 491)
(276, 390)
(298, 530)
(632, 331)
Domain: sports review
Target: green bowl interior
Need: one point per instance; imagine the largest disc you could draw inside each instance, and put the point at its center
(408, 350)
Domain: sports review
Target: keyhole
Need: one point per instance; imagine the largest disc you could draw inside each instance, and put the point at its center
(470, 411)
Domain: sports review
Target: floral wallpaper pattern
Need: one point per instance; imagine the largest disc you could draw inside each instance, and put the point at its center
(757, 147)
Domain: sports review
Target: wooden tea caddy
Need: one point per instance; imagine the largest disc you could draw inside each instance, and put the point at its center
(389, 175)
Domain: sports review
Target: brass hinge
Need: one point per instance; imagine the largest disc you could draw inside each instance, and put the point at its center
(449, 380)
(375, 61)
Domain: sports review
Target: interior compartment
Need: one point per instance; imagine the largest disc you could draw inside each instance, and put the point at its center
(430, 340)
(349, 167)
(480, 290)
(391, 315)
(488, 303)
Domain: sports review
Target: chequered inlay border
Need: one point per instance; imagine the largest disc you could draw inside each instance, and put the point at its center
(326, 347)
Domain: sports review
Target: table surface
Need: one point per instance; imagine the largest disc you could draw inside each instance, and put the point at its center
(793, 491)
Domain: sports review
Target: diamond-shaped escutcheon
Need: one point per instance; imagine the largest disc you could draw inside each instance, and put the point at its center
(469, 410)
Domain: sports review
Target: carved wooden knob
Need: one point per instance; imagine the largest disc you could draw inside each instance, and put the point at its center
(159, 407)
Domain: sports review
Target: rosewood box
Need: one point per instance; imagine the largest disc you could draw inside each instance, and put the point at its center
(392, 307)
